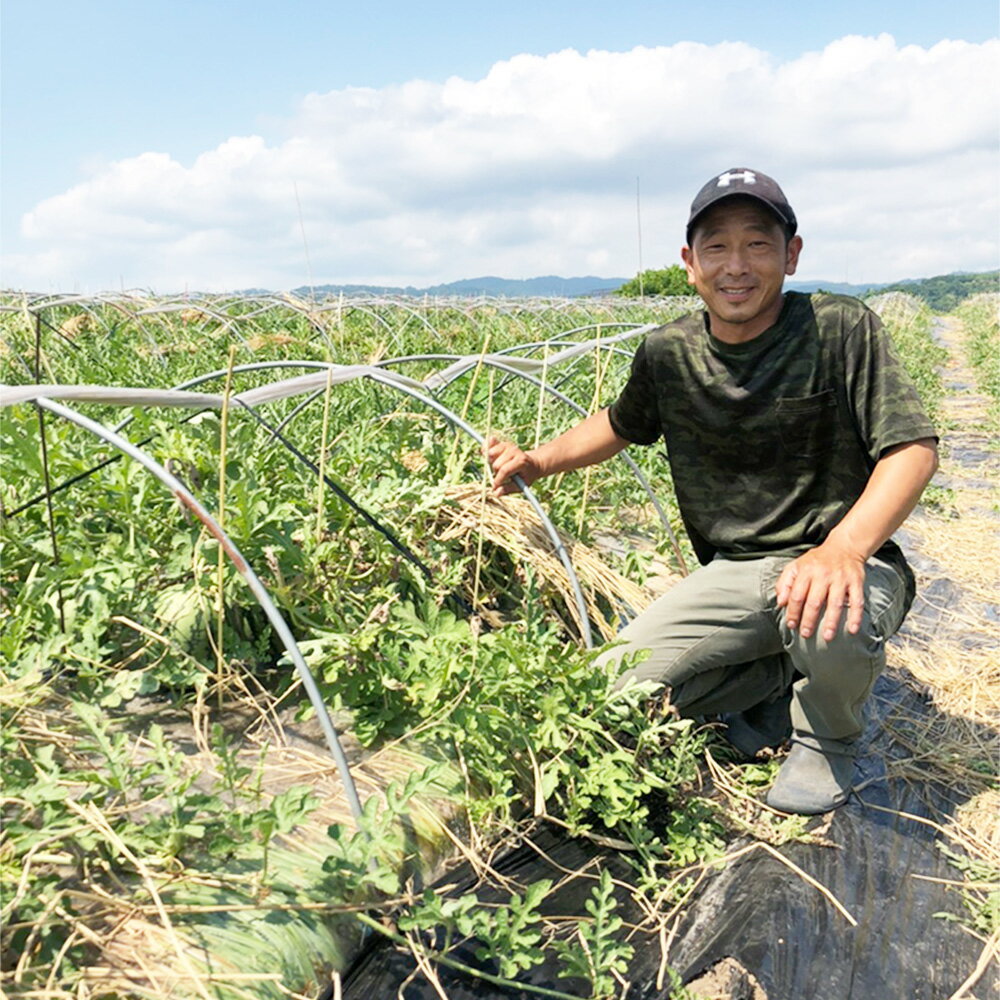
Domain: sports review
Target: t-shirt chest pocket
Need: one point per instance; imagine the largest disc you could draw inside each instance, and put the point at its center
(808, 424)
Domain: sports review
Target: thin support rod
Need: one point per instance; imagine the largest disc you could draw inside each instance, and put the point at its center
(46, 475)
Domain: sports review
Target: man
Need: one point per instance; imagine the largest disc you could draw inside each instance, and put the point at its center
(797, 445)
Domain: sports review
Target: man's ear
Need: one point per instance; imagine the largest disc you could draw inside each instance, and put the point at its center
(687, 255)
(792, 252)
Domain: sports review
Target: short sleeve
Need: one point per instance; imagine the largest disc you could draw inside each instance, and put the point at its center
(884, 398)
(634, 414)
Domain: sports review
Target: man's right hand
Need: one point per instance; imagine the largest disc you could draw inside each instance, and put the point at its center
(590, 441)
(508, 460)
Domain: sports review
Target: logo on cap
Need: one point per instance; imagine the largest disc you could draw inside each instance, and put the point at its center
(746, 176)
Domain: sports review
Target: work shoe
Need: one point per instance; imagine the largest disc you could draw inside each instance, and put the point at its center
(765, 725)
(813, 780)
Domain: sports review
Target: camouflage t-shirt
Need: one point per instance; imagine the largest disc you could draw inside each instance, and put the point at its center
(771, 441)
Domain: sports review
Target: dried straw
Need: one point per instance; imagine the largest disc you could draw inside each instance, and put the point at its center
(967, 545)
(512, 525)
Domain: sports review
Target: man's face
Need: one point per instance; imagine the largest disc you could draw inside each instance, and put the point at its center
(737, 261)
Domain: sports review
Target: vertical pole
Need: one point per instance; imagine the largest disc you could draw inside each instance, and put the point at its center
(45, 468)
(305, 245)
(638, 226)
(220, 597)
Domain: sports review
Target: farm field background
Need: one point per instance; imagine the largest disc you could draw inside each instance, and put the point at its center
(174, 824)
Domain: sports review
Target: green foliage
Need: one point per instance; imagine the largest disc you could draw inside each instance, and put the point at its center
(693, 833)
(596, 953)
(444, 917)
(909, 322)
(982, 897)
(981, 318)
(512, 934)
(670, 280)
(581, 748)
(940, 499)
(369, 860)
(98, 797)
(946, 292)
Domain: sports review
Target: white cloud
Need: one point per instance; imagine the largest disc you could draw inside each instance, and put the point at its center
(888, 154)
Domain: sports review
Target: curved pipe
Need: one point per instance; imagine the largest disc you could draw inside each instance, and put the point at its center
(456, 421)
(276, 434)
(190, 383)
(308, 383)
(188, 500)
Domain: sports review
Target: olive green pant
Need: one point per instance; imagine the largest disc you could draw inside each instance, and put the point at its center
(719, 641)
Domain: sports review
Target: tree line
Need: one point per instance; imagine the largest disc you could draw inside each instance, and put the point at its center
(943, 293)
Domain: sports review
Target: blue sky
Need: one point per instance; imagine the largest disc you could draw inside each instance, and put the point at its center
(223, 144)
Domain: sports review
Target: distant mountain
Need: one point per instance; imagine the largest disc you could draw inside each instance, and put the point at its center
(942, 293)
(548, 285)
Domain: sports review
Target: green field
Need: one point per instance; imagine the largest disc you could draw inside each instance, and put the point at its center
(147, 695)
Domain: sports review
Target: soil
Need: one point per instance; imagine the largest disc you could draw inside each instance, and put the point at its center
(726, 980)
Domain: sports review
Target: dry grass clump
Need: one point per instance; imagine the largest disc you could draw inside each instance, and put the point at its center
(962, 682)
(957, 744)
(975, 831)
(977, 819)
(261, 340)
(76, 325)
(969, 546)
(511, 524)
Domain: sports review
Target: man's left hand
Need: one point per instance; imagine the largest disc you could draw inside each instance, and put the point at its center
(829, 577)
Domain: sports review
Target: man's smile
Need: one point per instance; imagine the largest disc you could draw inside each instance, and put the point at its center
(736, 291)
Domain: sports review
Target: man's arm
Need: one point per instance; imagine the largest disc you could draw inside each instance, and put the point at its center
(590, 441)
(832, 575)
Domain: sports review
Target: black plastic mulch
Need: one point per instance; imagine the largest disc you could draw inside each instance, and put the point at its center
(785, 932)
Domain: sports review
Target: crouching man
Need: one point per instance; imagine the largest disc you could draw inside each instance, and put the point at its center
(797, 444)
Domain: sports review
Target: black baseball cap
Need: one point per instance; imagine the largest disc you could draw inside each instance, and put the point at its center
(749, 183)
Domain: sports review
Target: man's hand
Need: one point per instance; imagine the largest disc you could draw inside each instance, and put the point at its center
(590, 441)
(829, 576)
(508, 460)
(832, 575)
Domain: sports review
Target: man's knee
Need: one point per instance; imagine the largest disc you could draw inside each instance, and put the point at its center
(837, 660)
